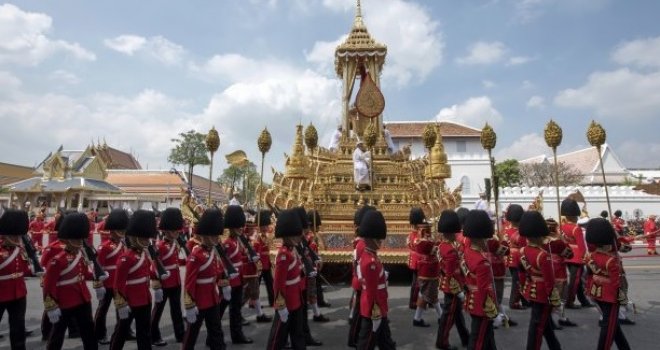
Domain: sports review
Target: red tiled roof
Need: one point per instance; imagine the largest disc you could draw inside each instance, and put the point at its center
(415, 129)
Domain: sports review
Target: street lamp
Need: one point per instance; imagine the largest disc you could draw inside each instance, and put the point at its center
(212, 145)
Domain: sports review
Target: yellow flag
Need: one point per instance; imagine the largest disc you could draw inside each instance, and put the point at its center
(236, 158)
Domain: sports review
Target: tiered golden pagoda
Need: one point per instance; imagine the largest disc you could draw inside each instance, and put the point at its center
(323, 179)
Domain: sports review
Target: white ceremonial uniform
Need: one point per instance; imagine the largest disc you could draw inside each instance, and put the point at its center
(361, 167)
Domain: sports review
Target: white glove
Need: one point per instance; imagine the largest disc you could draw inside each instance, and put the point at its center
(387, 275)
(158, 295)
(255, 258)
(313, 273)
(375, 324)
(100, 293)
(191, 314)
(461, 296)
(104, 276)
(226, 293)
(284, 315)
(233, 275)
(499, 320)
(54, 315)
(124, 312)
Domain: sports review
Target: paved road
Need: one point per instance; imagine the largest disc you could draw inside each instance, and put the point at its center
(643, 275)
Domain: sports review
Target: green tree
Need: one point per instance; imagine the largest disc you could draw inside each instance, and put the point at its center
(244, 179)
(508, 172)
(190, 151)
(543, 174)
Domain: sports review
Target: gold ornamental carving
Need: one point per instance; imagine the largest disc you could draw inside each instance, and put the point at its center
(369, 100)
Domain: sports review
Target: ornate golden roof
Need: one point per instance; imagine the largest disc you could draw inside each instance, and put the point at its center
(358, 43)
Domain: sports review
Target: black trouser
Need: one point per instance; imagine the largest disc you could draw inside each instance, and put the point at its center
(292, 328)
(82, 314)
(514, 296)
(575, 285)
(267, 276)
(16, 310)
(481, 334)
(215, 337)
(451, 314)
(235, 322)
(46, 327)
(320, 299)
(142, 316)
(174, 296)
(369, 339)
(100, 329)
(414, 291)
(305, 307)
(540, 326)
(499, 289)
(354, 320)
(610, 329)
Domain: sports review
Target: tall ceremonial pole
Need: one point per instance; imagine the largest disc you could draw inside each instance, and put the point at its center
(370, 138)
(596, 136)
(553, 136)
(263, 142)
(212, 145)
(312, 143)
(429, 136)
(488, 141)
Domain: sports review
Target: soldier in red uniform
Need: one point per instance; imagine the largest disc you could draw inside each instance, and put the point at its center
(498, 251)
(131, 287)
(314, 222)
(651, 233)
(460, 238)
(559, 251)
(14, 265)
(102, 230)
(604, 282)
(203, 274)
(428, 267)
(358, 249)
(513, 214)
(251, 271)
(168, 288)
(452, 281)
(481, 301)
(538, 281)
(574, 236)
(37, 230)
(375, 327)
(236, 252)
(66, 295)
(618, 223)
(52, 225)
(108, 254)
(313, 285)
(415, 219)
(287, 287)
(262, 244)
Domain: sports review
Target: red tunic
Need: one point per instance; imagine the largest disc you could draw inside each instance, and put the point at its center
(481, 300)
(168, 252)
(618, 224)
(108, 253)
(537, 276)
(428, 265)
(14, 265)
(65, 277)
(559, 252)
(413, 237)
(105, 234)
(132, 278)
(203, 271)
(650, 232)
(50, 251)
(516, 241)
(36, 230)
(574, 236)
(604, 281)
(497, 254)
(287, 283)
(373, 299)
(236, 254)
(250, 268)
(52, 233)
(358, 249)
(451, 277)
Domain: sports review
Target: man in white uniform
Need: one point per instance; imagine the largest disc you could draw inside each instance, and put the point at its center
(482, 203)
(234, 200)
(361, 160)
(388, 138)
(334, 141)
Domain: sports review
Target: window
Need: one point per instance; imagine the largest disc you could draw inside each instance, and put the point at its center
(461, 146)
(465, 181)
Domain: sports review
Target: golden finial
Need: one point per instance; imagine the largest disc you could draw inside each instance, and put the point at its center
(370, 134)
(264, 141)
(311, 137)
(358, 9)
(553, 134)
(429, 135)
(596, 134)
(488, 137)
(212, 140)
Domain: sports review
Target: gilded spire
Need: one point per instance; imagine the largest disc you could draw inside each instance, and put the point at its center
(357, 22)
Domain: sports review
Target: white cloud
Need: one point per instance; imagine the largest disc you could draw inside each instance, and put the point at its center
(234, 67)
(9, 81)
(518, 60)
(642, 52)
(323, 53)
(474, 112)
(483, 52)
(616, 94)
(527, 146)
(64, 76)
(526, 85)
(487, 84)
(636, 154)
(528, 10)
(23, 38)
(536, 102)
(156, 47)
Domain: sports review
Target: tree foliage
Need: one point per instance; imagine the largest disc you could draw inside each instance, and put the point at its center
(508, 172)
(542, 174)
(244, 179)
(190, 151)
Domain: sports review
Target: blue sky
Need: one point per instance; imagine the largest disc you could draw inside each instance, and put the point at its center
(138, 72)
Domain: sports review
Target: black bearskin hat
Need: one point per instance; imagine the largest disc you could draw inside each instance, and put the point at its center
(618, 213)
(532, 224)
(288, 224)
(117, 220)
(462, 214)
(604, 214)
(171, 219)
(310, 218)
(569, 207)
(263, 218)
(373, 225)
(302, 215)
(449, 222)
(14, 222)
(514, 212)
(478, 225)
(600, 232)
(210, 224)
(359, 214)
(416, 216)
(142, 224)
(234, 217)
(74, 226)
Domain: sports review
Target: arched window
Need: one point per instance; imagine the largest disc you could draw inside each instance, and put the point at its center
(465, 181)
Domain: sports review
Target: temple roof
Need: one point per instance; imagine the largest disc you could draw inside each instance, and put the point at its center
(38, 184)
(116, 159)
(399, 129)
(10, 173)
(359, 39)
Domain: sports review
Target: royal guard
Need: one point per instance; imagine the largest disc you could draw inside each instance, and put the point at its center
(36, 230)
(314, 220)
(415, 219)
(604, 282)
(131, 287)
(452, 281)
(358, 249)
(52, 225)
(252, 267)
(651, 233)
(559, 252)
(204, 274)
(618, 223)
(513, 214)
(574, 236)
(236, 252)
(460, 238)
(261, 245)
(102, 230)
(481, 300)
(14, 265)
(314, 291)
(428, 269)
(108, 253)
(91, 216)
(66, 295)
(170, 225)
(538, 281)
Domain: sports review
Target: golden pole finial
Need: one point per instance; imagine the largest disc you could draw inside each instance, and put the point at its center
(212, 145)
(263, 142)
(596, 136)
(553, 136)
